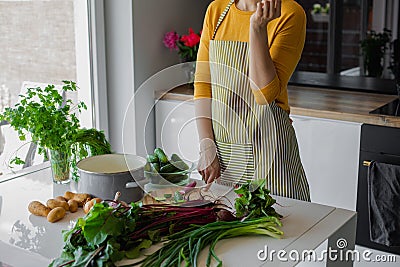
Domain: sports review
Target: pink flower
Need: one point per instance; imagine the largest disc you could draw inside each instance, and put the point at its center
(190, 40)
(170, 39)
(186, 45)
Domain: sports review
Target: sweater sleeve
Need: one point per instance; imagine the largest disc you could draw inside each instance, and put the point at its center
(202, 82)
(285, 49)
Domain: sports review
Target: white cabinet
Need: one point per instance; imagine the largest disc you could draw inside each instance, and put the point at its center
(329, 150)
(176, 130)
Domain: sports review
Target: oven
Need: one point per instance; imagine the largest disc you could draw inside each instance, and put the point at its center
(381, 144)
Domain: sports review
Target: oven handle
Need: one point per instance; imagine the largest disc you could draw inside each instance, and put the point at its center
(366, 163)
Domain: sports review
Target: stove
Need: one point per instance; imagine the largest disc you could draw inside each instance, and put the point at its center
(391, 108)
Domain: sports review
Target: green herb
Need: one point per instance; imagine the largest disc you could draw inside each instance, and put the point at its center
(53, 124)
(98, 236)
(87, 142)
(43, 112)
(254, 201)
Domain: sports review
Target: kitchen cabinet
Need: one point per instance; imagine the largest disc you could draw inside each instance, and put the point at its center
(329, 150)
(176, 130)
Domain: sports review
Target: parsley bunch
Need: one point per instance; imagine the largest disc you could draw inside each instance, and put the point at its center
(53, 124)
(43, 113)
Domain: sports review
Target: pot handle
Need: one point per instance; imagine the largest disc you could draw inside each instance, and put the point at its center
(131, 185)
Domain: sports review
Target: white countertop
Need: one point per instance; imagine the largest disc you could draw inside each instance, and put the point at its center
(29, 240)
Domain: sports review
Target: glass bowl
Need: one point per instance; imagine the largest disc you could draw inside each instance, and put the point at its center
(180, 178)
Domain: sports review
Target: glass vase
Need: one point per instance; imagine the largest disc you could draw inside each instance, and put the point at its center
(60, 166)
(189, 68)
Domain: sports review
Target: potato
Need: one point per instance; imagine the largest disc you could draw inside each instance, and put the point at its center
(61, 198)
(39, 209)
(81, 198)
(56, 214)
(73, 205)
(88, 205)
(69, 195)
(54, 203)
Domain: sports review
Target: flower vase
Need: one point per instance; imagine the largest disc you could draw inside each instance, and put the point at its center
(373, 65)
(60, 166)
(190, 69)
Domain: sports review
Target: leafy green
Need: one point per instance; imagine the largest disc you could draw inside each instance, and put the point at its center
(113, 251)
(99, 236)
(53, 124)
(135, 252)
(254, 201)
(100, 224)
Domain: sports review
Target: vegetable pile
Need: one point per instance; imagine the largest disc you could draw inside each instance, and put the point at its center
(160, 167)
(112, 230)
(55, 209)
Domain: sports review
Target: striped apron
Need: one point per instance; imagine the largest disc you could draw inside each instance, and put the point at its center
(253, 141)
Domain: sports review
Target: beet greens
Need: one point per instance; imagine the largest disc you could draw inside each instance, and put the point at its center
(108, 234)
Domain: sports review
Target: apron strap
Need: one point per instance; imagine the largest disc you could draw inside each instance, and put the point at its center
(221, 18)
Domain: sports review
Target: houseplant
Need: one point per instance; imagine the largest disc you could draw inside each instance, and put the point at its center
(320, 13)
(54, 126)
(373, 49)
(187, 47)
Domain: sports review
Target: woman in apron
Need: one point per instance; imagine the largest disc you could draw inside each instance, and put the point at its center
(248, 51)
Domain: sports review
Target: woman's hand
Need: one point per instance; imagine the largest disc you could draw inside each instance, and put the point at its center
(208, 166)
(266, 11)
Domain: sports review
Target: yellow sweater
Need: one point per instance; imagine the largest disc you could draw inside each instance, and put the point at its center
(286, 36)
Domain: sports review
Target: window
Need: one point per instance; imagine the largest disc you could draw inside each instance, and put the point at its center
(37, 44)
(333, 39)
(41, 42)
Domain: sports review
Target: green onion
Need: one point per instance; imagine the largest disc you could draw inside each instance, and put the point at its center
(186, 245)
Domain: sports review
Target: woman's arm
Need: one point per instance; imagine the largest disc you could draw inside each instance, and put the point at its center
(208, 165)
(262, 69)
(271, 66)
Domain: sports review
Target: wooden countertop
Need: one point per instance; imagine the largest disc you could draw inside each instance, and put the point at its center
(321, 103)
(337, 81)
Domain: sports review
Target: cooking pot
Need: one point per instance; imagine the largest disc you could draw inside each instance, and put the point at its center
(104, 175)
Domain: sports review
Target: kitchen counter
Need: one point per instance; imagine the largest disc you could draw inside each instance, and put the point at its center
(342, 82)
(28, 240)
(319, 102)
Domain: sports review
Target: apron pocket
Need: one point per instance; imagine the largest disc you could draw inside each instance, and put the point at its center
(236, 161)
